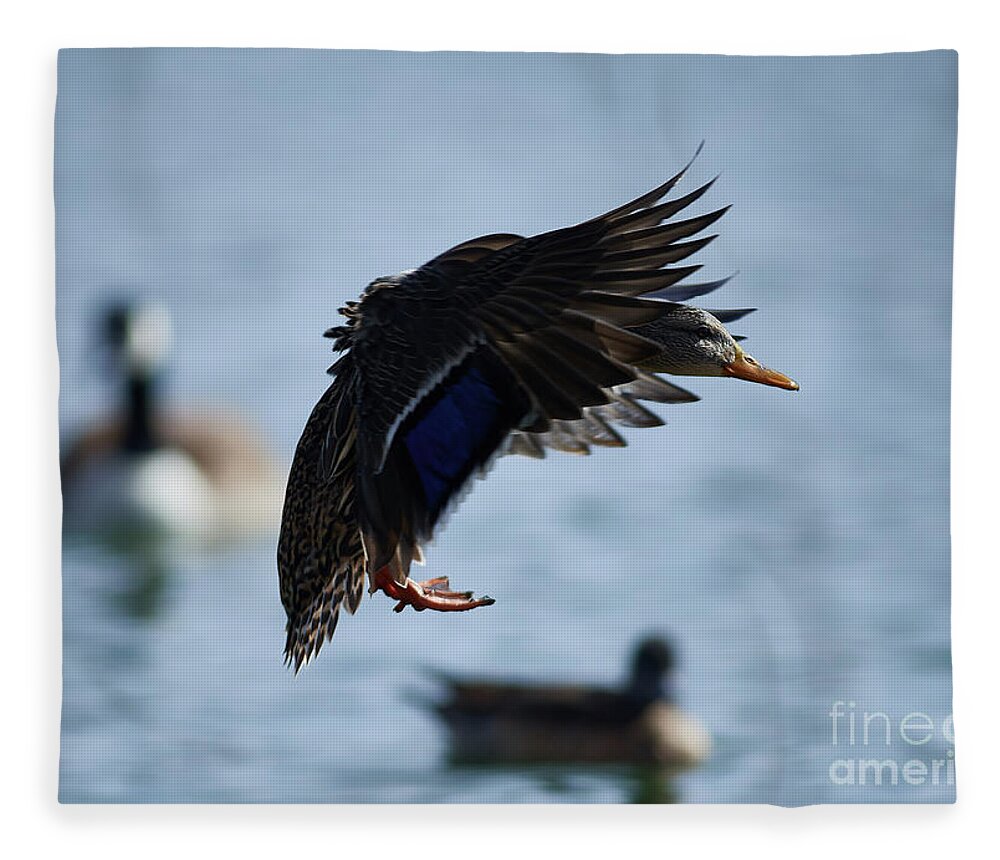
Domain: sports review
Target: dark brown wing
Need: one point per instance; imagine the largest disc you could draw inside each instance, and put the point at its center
(503, 334)
(595, 427)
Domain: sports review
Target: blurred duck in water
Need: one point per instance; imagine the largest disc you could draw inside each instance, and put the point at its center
(637, 724)
(148, 471)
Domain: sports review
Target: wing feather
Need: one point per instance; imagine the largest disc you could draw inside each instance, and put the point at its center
(528, 340)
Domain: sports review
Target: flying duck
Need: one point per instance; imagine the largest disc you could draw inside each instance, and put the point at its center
(152, 471)
(639, 723)
(502, 344)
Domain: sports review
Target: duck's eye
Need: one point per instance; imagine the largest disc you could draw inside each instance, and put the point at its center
(703, 332)
(749, 359)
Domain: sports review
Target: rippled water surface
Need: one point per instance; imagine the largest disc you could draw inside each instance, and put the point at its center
(795, 546)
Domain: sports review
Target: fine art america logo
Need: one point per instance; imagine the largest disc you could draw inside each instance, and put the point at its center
(879, 750)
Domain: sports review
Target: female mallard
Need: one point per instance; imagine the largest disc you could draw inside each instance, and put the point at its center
(502, 344)
(639, 723)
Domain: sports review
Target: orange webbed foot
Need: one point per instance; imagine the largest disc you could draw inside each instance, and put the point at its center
(431, 594)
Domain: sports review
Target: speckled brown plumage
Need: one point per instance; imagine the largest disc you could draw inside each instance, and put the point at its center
(320, 555)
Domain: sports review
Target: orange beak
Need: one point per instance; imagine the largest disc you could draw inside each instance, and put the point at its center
(746, 367)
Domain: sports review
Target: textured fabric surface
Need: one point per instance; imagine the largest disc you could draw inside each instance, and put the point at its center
(792, 548)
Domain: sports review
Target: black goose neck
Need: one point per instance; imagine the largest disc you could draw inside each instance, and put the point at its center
(652, 666)
(647, 687)
(140, 437)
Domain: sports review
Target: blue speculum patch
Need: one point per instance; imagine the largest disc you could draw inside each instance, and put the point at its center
(448, 440)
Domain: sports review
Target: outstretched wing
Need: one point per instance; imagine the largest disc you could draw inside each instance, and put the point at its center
(504, 334)
(596, 425)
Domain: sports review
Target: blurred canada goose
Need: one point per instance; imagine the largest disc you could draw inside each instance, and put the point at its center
(501, 344)
(146, 469)
(638, 723)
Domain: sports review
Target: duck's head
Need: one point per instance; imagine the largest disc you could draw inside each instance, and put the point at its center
(138, 337)
(694, 342)
(652, 661)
